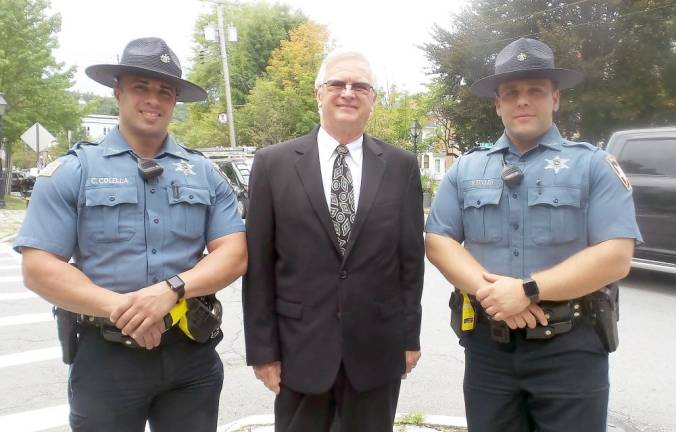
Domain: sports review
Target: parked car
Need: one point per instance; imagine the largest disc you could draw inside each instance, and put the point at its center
(648, 157)
(22, 182)
(237, 184)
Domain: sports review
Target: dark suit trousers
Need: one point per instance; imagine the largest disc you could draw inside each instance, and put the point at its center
(341, 409)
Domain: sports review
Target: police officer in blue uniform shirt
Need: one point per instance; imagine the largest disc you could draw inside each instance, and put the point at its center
(532, 227)
(135, 213)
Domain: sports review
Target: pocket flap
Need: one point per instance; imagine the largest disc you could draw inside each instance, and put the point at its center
(390, 307)
(189, 194)
(110, 196)
(480, 197)
(554, 196)
(289, 309)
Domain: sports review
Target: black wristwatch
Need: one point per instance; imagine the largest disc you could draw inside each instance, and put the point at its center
(530, 288)
(177, 285)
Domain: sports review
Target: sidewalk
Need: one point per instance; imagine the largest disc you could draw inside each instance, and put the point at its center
(10, 222)
(404, 423)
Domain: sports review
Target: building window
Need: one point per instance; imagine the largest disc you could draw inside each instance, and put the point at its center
(426, 162)
(437, 166)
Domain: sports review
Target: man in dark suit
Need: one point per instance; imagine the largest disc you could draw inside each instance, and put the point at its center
(332, 297)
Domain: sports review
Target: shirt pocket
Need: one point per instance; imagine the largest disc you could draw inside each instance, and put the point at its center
(555, 215)
(188, 208)
(110, 216)
(481, 215)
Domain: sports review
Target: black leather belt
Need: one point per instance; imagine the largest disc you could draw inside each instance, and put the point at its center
(561, 317)
(108, 330)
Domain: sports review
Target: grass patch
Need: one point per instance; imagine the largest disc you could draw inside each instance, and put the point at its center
(14, 203)
(415, 418)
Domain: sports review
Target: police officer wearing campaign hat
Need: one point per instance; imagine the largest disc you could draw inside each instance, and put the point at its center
(533, 231)
(135, 212)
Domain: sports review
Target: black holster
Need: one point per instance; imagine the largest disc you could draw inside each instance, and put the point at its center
(204, 317)
(455, 304)
(66, 327)
(604, 308)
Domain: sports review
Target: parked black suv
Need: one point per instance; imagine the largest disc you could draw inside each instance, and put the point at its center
(237, 182)
(648, 157)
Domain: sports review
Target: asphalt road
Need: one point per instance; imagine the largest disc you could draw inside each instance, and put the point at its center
(643, 370)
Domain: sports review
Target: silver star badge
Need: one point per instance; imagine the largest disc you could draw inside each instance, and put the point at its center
(164, 58)
(557, 164)
(522, 56)
(184, 167)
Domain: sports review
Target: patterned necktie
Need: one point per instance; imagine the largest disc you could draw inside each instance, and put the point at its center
(342, 198)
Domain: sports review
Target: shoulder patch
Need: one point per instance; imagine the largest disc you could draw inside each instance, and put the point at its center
(477, 148)
(618, 171)
(50, 169)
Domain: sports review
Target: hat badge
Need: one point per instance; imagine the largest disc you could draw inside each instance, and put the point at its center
(522, 56)
(164, 58)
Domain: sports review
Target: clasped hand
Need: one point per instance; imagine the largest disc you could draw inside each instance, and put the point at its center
(140, 314)
(503, 298)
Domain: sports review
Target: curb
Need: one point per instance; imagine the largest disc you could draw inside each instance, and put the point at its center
(269, 420)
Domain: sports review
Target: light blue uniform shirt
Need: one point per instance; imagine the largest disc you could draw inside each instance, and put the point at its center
(570, 198)
(123, 232)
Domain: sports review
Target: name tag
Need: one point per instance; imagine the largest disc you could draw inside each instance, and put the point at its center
(108, 180)
(483, 183)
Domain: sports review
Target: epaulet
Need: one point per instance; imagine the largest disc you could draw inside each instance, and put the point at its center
(191, 150)
(79, 144)
(580, 144)
(477, 148)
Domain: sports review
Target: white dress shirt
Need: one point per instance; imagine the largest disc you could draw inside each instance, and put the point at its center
(327, 156)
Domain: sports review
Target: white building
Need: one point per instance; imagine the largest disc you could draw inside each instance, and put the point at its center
(434, 165)
(98, 125)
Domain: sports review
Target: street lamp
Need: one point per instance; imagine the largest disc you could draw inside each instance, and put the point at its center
(3, 107)
(415, 134)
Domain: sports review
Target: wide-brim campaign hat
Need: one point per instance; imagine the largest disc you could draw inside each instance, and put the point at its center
(525, 58)
(153, 58)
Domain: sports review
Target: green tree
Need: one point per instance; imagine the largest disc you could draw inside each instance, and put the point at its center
(260, 29)
(34, 83)
(282, 104)
(393, 115)
(626, 49)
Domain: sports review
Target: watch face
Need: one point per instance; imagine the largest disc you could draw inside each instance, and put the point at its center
(530, 287)
(175, 282)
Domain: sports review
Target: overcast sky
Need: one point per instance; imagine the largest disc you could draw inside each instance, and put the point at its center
(96, 31)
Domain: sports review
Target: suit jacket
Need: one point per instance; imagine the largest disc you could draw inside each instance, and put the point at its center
(307, 305)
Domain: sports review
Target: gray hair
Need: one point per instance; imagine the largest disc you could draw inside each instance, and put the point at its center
(338, 55)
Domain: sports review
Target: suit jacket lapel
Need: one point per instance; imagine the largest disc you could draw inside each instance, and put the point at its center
(373, 168)
(309, 172)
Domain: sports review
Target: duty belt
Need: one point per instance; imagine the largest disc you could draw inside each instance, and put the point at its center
(561, 317)
(197, 318)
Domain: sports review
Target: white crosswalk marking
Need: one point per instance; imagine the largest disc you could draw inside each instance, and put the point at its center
(7, 279)
(36, 420)
(17, 295)
(26, 319)
(4, 268)
(31, 356)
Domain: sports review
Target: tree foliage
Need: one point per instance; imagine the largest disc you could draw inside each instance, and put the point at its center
(34, 84)
(626, 49)
(260, 29)
(393, 115)
(281, 104)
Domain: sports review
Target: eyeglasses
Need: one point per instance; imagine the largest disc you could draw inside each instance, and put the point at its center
(337, 86)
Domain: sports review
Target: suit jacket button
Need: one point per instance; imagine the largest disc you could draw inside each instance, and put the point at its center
(343, 274)
(339, 315)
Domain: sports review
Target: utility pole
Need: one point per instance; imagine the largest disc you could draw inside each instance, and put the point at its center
(226, 72)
